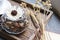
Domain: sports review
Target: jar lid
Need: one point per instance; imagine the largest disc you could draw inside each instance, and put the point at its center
(14, 13)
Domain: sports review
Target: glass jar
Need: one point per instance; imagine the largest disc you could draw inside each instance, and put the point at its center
(14, 21)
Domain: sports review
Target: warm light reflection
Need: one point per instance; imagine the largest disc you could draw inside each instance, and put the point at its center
(52, 36)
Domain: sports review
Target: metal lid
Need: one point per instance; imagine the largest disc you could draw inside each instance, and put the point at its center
(9, 15)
